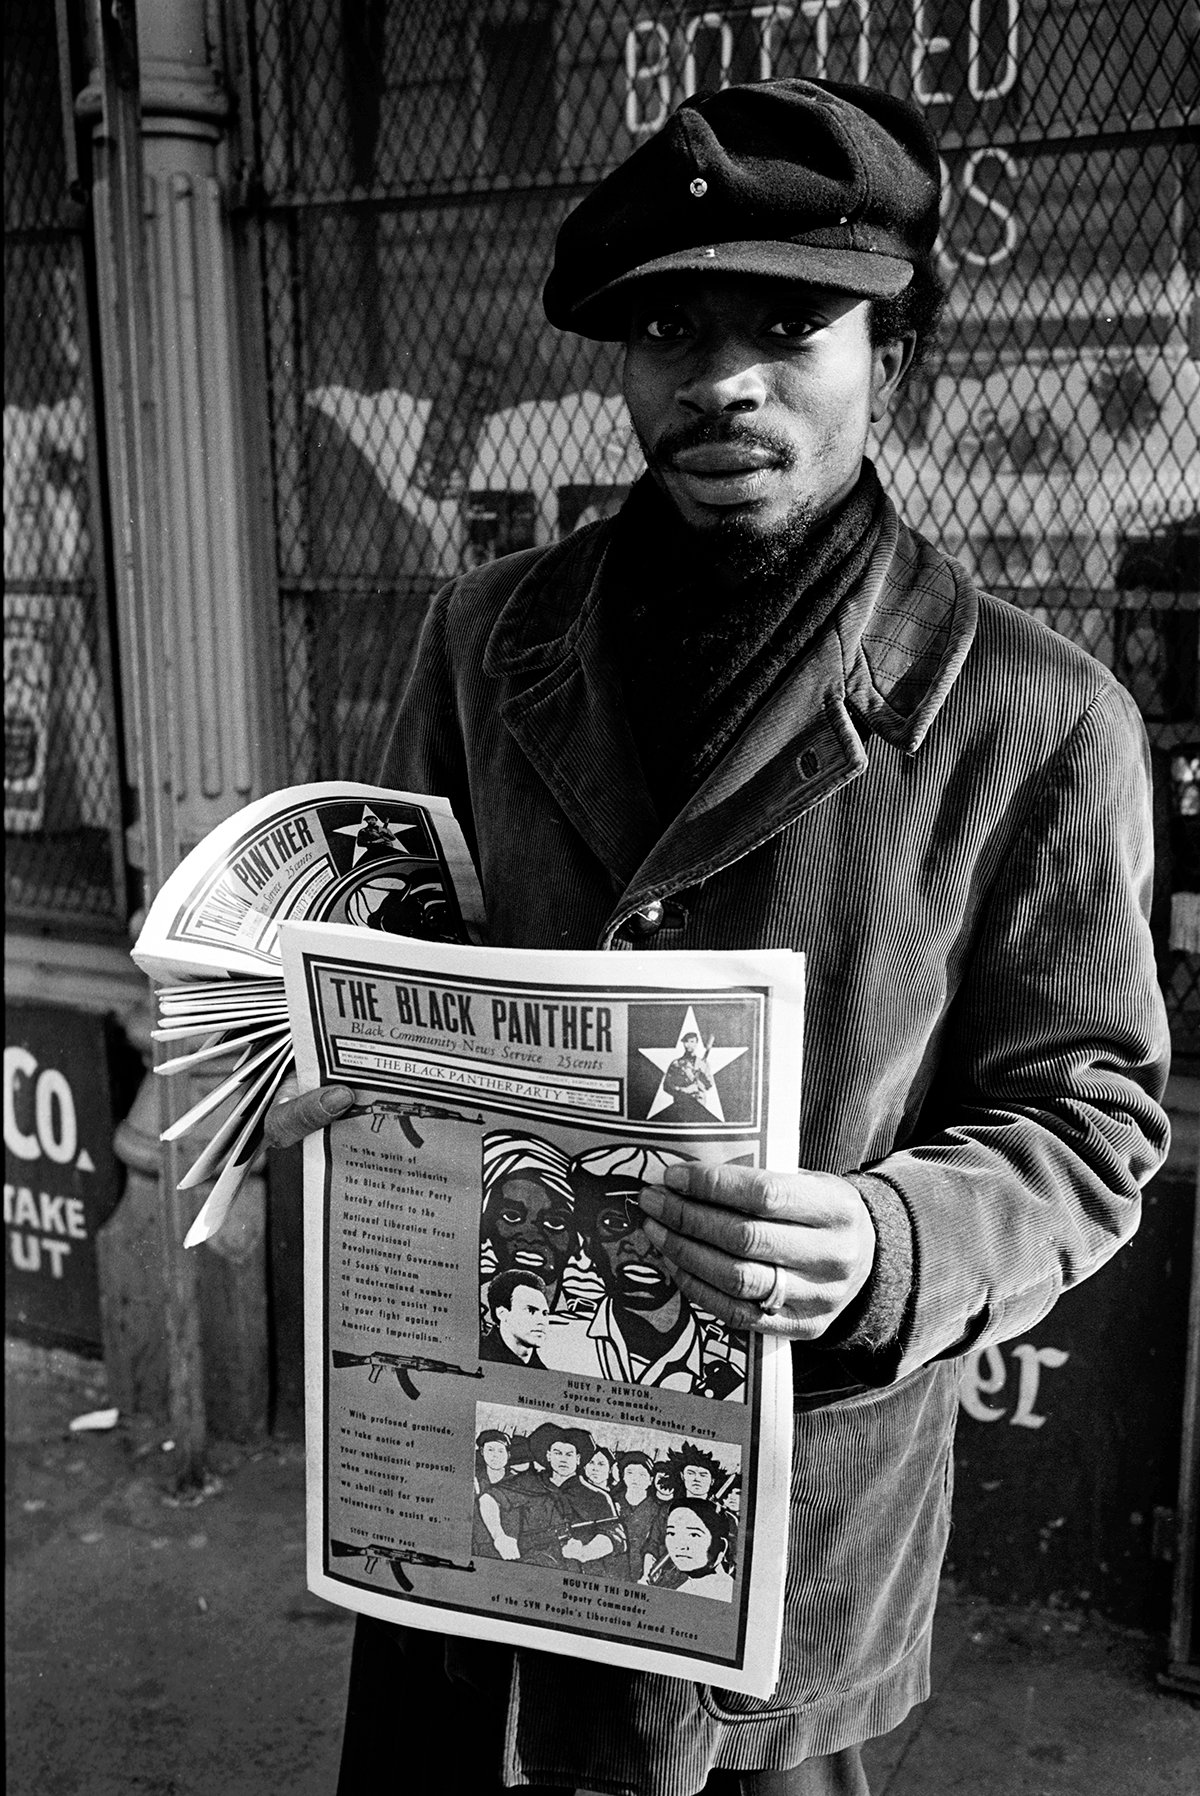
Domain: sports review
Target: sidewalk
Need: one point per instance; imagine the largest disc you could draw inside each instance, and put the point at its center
(156, 1649)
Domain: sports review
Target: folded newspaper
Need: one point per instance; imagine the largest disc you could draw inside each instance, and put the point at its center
(393, 861)
(519, 1427)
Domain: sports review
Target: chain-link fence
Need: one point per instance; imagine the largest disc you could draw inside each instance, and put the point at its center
(64, 854)
(408, 163)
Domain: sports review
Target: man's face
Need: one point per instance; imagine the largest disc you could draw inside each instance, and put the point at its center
(697, 1480)
(691, 1044)
(563, 1460)
(632, 1269)
(752, 400)
(495, 1455)
(530, 1228)
(524, 1324)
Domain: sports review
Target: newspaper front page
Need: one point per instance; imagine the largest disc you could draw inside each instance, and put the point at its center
(519, 1428)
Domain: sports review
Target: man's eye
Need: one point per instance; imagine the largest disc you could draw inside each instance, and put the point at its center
(665, 327)
(512, 1217)
(795, 328)
(553, 1226)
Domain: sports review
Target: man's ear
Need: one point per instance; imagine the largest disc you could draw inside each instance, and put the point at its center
(889, 364)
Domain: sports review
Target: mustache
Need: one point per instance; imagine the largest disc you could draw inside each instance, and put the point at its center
(725, 431)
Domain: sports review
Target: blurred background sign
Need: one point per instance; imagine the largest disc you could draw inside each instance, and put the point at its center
(61, 1177)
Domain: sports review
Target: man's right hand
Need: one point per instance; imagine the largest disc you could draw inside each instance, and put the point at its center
(292, 1117)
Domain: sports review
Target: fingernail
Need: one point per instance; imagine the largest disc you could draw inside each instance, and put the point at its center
(335, 1100)
(651, 1200)
(677, 1178)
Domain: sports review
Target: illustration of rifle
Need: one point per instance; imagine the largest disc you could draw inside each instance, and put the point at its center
(602, 1525)
(372, 1556)
(403, 1114)
(401, 1364)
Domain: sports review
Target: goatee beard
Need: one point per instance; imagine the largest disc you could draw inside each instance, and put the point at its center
(741, 553)
(733, 548)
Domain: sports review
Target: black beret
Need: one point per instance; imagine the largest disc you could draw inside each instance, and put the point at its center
(819, 181)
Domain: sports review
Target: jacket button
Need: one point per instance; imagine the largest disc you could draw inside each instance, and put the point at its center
(646, 921)
(810, 763)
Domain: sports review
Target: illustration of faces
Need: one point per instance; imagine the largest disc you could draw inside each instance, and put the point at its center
(599, 1469)
(636, 1479)
(699, 1549)
(530, 1228)
(491, 1456)
(562, 1459)
(633, 1270)
(697, 1481)
(688, 1540)
(566, 1471)
(528, 1219)
(523, 1323)
(615, 1310)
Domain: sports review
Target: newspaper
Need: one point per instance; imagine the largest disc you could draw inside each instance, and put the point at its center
(382, 860)
(519, 1428)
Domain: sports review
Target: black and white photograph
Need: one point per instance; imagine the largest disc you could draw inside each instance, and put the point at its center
(703, 496)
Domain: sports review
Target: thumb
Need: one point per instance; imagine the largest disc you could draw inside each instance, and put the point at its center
(289, 1122)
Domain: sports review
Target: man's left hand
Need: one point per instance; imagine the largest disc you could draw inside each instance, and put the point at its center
(736, 1236)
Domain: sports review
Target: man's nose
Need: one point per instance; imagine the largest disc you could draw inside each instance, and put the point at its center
(723, 376)
(638, 1243)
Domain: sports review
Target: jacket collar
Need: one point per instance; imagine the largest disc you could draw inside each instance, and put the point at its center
(883, 666)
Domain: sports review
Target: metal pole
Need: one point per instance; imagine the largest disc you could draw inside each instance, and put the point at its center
(133, 431)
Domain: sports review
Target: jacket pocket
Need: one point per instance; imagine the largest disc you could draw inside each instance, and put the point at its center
(869, 1519)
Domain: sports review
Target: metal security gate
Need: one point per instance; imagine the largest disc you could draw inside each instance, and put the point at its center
(407, 165)
(65, 860)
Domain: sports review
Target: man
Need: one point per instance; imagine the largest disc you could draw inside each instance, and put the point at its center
(689, 1081)
(519, 1310)
(756, 695)
(698, 1470)
(644, 1330)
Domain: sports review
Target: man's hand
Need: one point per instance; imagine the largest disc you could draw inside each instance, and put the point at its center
(292, 1117)
(736, 1236)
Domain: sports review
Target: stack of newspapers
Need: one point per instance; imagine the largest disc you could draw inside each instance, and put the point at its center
(330, 852)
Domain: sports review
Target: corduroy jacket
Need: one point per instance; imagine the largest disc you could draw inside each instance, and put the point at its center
(945, 805)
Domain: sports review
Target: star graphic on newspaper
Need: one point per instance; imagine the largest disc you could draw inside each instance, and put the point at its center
(373, 836)
(691, 1075)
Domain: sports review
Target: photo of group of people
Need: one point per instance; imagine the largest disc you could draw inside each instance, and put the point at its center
(571, 1283)
(635, 1505)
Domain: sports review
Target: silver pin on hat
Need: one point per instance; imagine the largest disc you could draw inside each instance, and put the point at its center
(698, 188)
